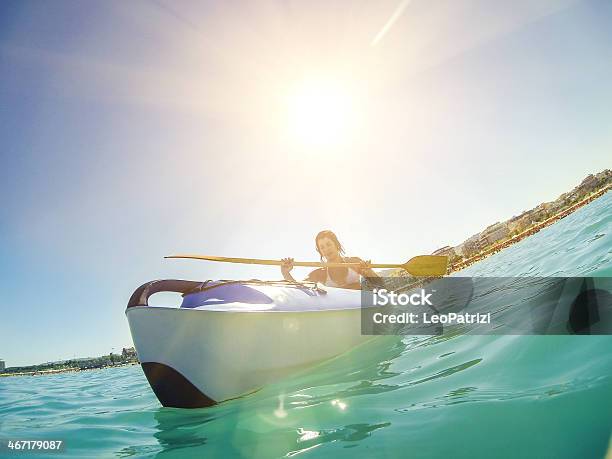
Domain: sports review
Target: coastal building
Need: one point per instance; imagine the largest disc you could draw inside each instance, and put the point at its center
(482, 243)
(518, 222)
(556, 206)
(541, 212)
(525, 220)
(446, 251)
(128, 352)
(2, 366)
(604, 178)
(471, 245)
(496, 232)
(590, 183)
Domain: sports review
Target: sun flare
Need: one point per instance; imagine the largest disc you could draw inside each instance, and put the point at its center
(320, 114)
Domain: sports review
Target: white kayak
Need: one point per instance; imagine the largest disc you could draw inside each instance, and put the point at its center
(230, 338)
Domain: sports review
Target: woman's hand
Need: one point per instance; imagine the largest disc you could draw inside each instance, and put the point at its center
(286, 267)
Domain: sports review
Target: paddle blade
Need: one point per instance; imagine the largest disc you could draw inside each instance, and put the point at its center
(427, 265)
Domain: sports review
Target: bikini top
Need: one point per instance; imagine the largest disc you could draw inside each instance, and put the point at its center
(322, 276)
(352, 277)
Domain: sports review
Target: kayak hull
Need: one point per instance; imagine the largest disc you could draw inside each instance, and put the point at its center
(195, 357)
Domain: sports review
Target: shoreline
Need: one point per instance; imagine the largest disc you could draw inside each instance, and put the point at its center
(64, 370)
(528, 232)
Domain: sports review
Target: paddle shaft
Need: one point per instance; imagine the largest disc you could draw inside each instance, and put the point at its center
(308, 264)
(423, 265)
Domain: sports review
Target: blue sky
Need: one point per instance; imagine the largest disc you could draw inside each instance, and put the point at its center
(134, 130)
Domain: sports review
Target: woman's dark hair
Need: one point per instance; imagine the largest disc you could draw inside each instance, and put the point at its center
(330, 235)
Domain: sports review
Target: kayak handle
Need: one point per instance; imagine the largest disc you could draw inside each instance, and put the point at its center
(141, 295)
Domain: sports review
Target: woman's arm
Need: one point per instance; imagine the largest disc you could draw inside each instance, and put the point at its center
(370, 277)
(286, 268)
(364, 268)
(318, 275)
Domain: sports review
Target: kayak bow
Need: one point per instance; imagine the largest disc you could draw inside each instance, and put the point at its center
(230, 338)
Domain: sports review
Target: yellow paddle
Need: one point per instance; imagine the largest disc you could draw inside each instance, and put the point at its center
(421, 266)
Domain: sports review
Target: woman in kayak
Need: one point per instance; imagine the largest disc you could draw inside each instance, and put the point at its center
(331, 251)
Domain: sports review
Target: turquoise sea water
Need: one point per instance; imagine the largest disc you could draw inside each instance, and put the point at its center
(447, 396)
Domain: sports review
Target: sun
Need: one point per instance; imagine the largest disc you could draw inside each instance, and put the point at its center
(320, 113)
